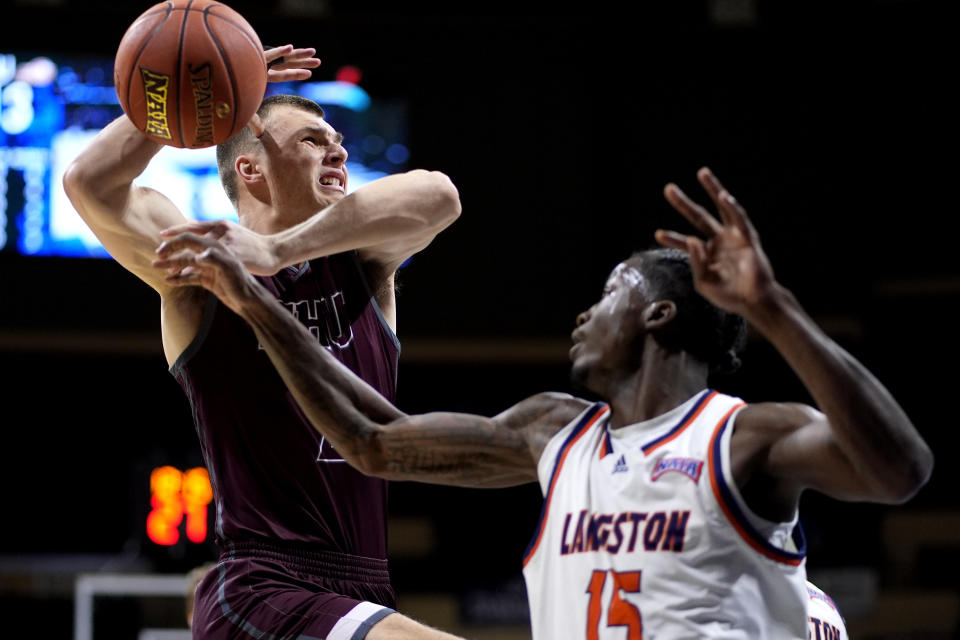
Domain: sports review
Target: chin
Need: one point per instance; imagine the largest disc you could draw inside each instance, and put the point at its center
(324, 200)
(582, 381)
(578, 377)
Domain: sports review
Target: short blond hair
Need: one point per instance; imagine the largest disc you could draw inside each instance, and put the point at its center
(228, 150)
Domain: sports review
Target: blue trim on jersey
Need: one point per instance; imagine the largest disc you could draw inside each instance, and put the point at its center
(607, 443)
(696, 407)
(733, 506)
(584, 422)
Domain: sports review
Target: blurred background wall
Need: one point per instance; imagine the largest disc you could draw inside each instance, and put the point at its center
(833, 123)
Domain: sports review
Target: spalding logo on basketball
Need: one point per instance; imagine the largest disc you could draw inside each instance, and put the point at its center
(190, 73)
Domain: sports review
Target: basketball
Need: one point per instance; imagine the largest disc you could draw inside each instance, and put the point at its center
(190, 73)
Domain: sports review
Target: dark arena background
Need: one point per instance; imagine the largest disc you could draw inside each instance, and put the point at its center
(832, 122)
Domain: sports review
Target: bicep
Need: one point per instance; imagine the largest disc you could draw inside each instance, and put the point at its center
(802, 451)
(128, 222)
(389, 256)
(450, 448)
(470, 450)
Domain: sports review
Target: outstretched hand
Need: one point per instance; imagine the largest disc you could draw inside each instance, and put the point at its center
(729, 266)
(193, 260)
(253, 250)
(286, 64)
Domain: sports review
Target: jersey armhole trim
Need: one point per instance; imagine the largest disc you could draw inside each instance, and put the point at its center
(206, 321)
(383, 322)
(590, 417)
(373, 299)
(732, 509)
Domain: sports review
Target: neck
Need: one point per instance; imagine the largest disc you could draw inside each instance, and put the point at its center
(265, 219)
(662, 382)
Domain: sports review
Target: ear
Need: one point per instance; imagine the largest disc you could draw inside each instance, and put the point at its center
(658, 314)
(248, 169)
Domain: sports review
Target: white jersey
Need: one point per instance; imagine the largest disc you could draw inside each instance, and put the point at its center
(644, 534)
(826, 622)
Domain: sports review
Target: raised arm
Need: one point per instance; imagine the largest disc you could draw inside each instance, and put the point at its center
(125, 218)
(387, 220)
(367, 430)
(859, 444)
(128, 219)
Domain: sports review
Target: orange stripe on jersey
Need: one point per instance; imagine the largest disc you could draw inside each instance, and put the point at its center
(647, 449)
(729, 507)
(606, 447)
(561, 457)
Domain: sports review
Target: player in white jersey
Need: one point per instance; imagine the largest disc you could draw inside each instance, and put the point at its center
(826, 621)
(648, 522)
(670, 510)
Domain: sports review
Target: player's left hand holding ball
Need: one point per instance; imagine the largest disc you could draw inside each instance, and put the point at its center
(286, 64)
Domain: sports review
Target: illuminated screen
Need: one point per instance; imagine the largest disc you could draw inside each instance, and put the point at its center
(51, 107)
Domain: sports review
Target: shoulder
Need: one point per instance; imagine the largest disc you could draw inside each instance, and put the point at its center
(551, 406)
(766, 437)
(771, 420)
(542, 416)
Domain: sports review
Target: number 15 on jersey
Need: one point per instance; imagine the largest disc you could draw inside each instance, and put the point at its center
(620, 613)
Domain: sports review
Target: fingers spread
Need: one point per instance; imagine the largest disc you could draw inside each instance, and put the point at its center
(737, 215)
(671, 239)
(698, 255)
(196, 226)
(287, 76)
(184, 241)
(304, 57)
(177, 262)
(285, 64)
(730, 210)
(720, 196)
(274, 53)
(694, 213)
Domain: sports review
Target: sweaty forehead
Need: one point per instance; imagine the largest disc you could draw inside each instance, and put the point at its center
(629, 274)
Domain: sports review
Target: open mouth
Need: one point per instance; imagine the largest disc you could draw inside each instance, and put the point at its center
(331, 181)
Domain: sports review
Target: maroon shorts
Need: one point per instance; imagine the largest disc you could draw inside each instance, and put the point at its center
(266, 591)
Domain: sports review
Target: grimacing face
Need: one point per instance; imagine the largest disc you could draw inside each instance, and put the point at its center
(606, 335)
(306, 159)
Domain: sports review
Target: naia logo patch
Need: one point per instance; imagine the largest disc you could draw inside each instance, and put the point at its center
(690, 467)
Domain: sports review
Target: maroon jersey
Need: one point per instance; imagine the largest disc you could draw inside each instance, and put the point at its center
(273, 475)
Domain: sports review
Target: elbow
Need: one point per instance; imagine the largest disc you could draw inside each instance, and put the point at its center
(85, 185)
(442, 200)
(366, 454)
(919, 469)
(913, 474)
(75, 181)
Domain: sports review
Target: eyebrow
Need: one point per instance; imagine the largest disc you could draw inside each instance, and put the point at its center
(323, 133)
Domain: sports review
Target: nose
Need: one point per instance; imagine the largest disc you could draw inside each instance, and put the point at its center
(336, 155)
(583, 317)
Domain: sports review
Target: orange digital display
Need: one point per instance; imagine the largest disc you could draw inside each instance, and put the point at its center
(177, 496)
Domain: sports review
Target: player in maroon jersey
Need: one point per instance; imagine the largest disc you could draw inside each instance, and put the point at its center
(302, 534)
